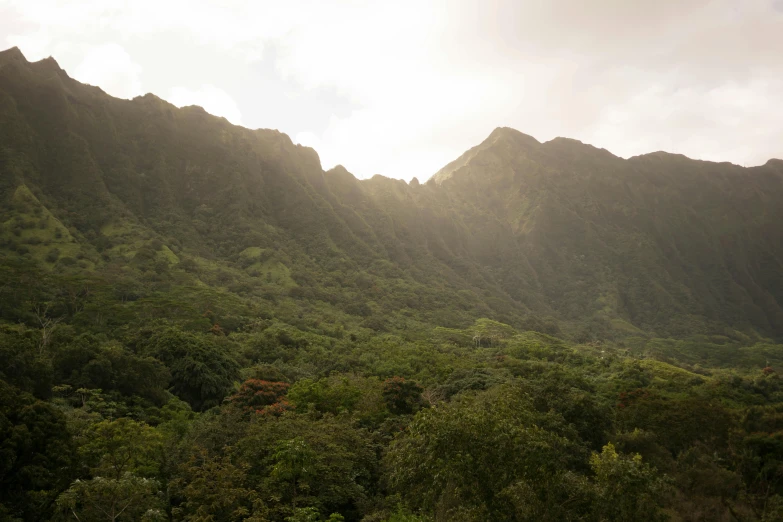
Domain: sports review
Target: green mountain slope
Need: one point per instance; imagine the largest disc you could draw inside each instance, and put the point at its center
(121, 174)
(197, 322)
(555, 237)
(657, 241)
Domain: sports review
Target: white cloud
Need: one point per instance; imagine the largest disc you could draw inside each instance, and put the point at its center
(312, 140)
(36, 46)
(110, 67)
(212, 99)
(736, 122)
(424, 80)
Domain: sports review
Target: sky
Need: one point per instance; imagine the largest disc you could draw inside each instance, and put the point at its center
(400, 88)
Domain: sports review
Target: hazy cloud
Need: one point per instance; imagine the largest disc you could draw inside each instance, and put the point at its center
(401, 88)
(110, 67)
(212, 99)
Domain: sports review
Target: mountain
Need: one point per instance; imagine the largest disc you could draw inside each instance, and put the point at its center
(197, 322)
(655, 241)
(559, 237)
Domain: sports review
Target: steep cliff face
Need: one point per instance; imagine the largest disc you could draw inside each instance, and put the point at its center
(653, 240)
(513, 229)
(121, 172)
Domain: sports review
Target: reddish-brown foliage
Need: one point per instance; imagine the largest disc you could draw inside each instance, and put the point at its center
(216, 330)
(627, 398)
(262, 397)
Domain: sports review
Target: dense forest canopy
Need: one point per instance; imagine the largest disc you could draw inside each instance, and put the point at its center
(197, 322)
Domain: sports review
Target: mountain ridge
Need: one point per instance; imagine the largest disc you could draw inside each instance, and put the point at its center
(530, 233)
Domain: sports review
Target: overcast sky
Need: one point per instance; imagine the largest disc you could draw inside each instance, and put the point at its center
(401, 88)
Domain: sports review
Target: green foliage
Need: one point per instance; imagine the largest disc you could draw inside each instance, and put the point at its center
(87, 363)
(474, 379)
(202, 369)
(212, 489)
(311, 514)
(169, 282)
(627, 488)
(403, 515)
(294, 463)
(308, 514)
(402, 396)
(23, 364)
(570, 395)
(37, 454)
(679, 423)
(299, 461)
(470, 458)
(328, 395)
(115, 448)
(127, 498)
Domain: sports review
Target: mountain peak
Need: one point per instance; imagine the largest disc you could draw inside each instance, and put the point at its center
(341, 172)
(48, 64)
(505, 135)
(509, 132)
(562, 139)
(575, 148)
(774, 162)
(12, 54)
(659, 155)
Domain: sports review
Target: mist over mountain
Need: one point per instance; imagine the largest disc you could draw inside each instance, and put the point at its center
(556, 235)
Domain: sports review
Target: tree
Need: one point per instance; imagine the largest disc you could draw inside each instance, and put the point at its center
(127, 498)
(115, 448)
(628, 489)
(677, 422)
(314, 461)
(330, 395)
(262, 397)
(311, 514)
(294, 465)
(306, 514)
(86, 362)
(202, 370)
(22, 366)
(37, 454)
(402, 396)
(568, 394)
(477, 458)
(758, 448)
(213, 489)
(47, 323)
(487, 332)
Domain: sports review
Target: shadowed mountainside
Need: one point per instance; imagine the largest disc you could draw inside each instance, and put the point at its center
(538, 235)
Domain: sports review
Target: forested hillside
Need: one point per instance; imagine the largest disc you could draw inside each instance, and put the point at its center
(197, 322)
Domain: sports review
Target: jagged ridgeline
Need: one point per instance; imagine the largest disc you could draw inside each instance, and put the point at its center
(559, 237)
